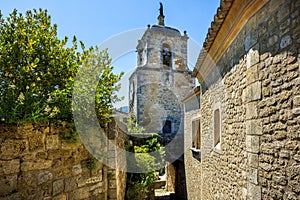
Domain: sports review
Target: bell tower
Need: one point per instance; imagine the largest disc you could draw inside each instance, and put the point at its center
(161, 79)
(157, 87)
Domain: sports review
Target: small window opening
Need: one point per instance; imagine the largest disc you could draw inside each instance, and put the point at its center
(217, 134)
(167, 128)
(166, 55)
(196, 129)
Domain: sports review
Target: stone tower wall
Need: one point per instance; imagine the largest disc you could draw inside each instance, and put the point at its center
(152, 42)
(161, 84)
(159, 89)
(157, 100)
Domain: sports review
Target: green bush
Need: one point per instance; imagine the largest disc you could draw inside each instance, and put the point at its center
(92, 163)
(140, 185)
(37, 71)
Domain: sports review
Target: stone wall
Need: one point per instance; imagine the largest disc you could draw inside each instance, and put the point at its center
(192, 165)
(36, 163)
(155, 100)
(117, 160)
(150, 46)
(258, 79)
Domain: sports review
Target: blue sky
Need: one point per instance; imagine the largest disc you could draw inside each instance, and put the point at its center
(97, 21)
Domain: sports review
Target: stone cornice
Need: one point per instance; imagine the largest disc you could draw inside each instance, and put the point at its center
(230, 18)
(159, 69)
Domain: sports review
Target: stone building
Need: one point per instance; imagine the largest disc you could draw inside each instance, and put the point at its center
(158, 85)
(249, 123)
(193, 141)
(161, 79)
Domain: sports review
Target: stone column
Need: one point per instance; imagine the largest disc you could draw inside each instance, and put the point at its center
(252, 95)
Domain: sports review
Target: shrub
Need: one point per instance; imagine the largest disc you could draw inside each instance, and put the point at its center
(92, 163)
(37, 71)
(141, 185)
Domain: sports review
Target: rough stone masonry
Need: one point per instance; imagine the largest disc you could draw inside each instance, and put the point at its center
(250, 71)
(37, 163)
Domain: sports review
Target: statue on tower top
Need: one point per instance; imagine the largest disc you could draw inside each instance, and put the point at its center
(161, 9)
(161, 16)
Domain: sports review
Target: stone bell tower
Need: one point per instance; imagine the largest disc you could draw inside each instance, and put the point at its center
(157, 87)
(161, 79)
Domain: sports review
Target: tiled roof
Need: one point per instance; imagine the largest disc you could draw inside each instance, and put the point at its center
(216, 24)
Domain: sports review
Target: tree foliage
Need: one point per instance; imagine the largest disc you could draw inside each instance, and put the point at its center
(95, 87)
(140, 185)
(133, 127)
(37, 70)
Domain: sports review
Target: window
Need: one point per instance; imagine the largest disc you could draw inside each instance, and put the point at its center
(166, 56)
(167, 128)
(140, 55)
(217, 127)
(196, 134)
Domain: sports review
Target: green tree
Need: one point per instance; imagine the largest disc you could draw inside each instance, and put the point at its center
(95, 87)
(38, 70)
